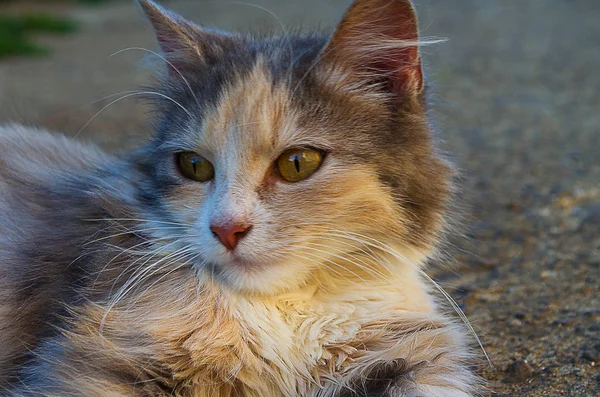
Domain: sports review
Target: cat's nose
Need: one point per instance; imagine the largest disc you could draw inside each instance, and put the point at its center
(231, 233)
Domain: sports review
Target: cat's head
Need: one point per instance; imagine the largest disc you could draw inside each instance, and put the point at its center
(286, 158)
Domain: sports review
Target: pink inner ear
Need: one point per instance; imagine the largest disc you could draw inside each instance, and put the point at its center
(381, 36)
(176, 36)
(170, 44)
(404, 68)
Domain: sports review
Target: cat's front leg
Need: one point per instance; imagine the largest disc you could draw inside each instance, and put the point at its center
(428, 358)
(394, 379)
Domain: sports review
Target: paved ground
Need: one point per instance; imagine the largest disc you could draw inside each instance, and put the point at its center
(518, 93)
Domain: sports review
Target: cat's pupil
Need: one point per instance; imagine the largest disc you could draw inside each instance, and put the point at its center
(297, 163)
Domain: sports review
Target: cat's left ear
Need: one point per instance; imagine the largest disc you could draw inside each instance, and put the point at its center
(182, 42)
(379, 40)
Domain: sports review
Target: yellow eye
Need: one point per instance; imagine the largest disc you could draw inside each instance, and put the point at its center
(297, 164)
(195, 167)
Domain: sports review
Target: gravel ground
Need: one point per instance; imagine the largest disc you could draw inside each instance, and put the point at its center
(518, 103)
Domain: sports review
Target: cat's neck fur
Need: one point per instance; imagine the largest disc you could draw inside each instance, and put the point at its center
(264, 345)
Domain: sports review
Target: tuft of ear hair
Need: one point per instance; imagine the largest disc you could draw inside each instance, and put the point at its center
(380, 38)
(182, 42)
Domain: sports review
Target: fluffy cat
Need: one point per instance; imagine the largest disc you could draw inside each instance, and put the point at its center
(269, 241)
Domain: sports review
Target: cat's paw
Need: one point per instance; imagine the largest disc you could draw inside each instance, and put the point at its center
(432, 391)
(439, 382)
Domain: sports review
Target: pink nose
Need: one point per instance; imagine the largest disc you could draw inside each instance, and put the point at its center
(230, 234)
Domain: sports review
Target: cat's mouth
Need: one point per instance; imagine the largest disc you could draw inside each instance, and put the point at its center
(239, 263)
(234, 262)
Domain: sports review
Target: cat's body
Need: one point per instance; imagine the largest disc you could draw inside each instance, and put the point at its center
(120, 277)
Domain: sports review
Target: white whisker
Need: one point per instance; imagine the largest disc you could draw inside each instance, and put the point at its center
(128, 96)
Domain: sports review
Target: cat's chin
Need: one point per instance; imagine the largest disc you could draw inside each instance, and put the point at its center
(248, 276)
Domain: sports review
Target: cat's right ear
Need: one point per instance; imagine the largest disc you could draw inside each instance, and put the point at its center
(182, 42)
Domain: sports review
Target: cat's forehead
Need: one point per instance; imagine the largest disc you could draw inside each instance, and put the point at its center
(253, 114)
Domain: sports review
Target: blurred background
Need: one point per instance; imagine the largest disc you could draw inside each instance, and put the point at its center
(517, 103)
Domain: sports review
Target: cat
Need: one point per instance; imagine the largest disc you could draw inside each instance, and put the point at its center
(268, 241)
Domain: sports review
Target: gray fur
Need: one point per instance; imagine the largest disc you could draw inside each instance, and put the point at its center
(73, 219)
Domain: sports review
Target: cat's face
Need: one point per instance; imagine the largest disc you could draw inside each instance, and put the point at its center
(283, 162)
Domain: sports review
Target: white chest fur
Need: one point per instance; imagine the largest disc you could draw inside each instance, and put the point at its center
(291, 344)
